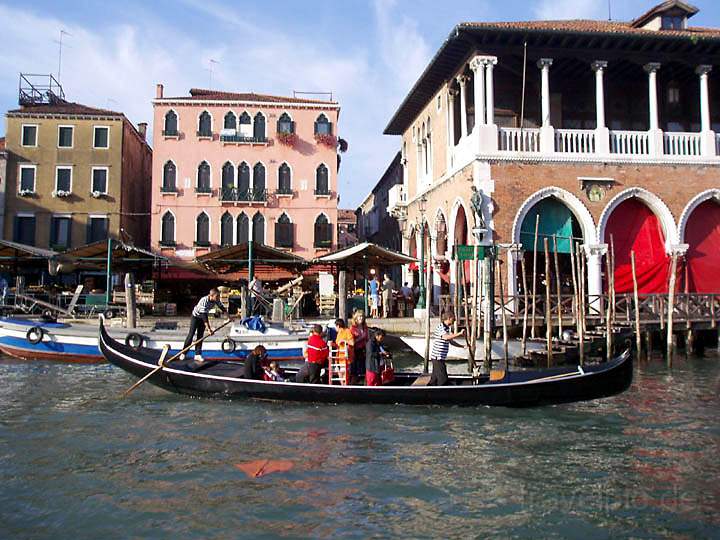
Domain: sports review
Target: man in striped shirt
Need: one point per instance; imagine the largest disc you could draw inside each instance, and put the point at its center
(199, 321)
(442, 339)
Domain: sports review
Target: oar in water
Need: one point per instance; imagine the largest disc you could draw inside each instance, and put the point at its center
(163, 354)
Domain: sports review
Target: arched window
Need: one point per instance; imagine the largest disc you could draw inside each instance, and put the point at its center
(258, 232)
(230, 121)
(259, 127)
(171, 124)
(245, 125)
(323, 125)
(285, 124)
(167, 229)
(284, 180)
(322, 186)
(226, 229)
(204, 125)
(203, 178)
(243, 182)
(228, 177)
(323, 232)
(259, 182)
(284, 232)
(243, 229)
(169, 183)
(202, 230)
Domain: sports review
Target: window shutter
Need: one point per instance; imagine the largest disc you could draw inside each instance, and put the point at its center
(53, 231)
(69, 234)
(292, 127)
(330, 128)
(88, 231)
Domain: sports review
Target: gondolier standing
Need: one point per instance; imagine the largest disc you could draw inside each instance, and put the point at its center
(442, 338)
(199, 321)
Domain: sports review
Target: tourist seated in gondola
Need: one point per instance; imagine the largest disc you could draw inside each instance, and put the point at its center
(316, 357)
(376, 359)
(361, 336)
(274, 373)
(443, 337)
(253, 368)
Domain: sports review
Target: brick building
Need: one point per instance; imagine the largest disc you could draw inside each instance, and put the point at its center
(603, 129)
(3, 182)
(230, 167)
(347, 228)
(75, 174)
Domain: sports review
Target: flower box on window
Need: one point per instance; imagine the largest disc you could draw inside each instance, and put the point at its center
(26, 192)
(60, 193)
(326, 139)
(97, 194)
(288, 139)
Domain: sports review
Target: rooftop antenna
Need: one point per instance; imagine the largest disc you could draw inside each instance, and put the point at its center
(60, 46)
(609, 10)
(212, 62)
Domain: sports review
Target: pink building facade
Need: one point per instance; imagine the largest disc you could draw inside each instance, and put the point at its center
(229, 167)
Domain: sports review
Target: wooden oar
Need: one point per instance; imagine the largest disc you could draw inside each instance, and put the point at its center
(163, 354)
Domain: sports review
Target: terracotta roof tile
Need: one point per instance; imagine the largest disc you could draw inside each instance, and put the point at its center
(204, 94)
(64, 107)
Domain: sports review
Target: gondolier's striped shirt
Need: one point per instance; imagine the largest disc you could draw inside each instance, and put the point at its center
(202, 308)
(440, 346)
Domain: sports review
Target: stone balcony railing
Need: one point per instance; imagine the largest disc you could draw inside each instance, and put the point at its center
(397, 198)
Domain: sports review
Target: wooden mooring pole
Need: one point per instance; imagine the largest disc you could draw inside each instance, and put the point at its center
(671, 305)
(525, 302)
(557, 285)
(608, 309)
(548, 308)
(498, 274)
(636, 301)
(534, 276)
(576, 302)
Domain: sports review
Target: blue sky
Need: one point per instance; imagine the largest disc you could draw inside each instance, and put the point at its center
(367, 52)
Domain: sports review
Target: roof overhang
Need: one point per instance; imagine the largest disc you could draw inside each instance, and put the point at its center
(236, 258)
(234, 102)
(365, 253)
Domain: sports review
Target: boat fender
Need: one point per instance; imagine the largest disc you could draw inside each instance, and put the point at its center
(134, 340)
(228, 346)
(35, 334)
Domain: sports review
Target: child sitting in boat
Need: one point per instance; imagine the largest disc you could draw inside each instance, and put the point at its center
(274, 373)
(376, 360)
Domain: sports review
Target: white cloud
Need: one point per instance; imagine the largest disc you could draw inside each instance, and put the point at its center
(570, 9)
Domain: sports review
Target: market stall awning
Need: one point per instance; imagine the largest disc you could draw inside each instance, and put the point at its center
(366, 252)
(234, 259)
(11, 251)
(95, 255)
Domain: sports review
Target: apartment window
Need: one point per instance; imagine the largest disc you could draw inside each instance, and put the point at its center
(323, 125)
(171, 124)
(226, 229)
(284, 232)
(243, 178)
(99, 179)
(259, 127)
(60, 227)
(259, 181)
(673, 94)
(167, 229)
(203, 178)
(258, 230)
(322, 186)
(245, 125)
(285, 124)
(228, 177)
(284, 179)
(24, 230)
(63, 179)
(670, 22)
(169, 177)
(27, 178)
(230, 121)
(323, 231)
(202, 230)
(243, 228)
(97, 229)
(65, 136)
(205, 125)
(29, 136)
(101, 137)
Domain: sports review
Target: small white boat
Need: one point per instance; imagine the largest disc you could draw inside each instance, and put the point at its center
(30, 339)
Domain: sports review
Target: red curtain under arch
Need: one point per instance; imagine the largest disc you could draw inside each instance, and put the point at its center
(634, 227)
(702, 233)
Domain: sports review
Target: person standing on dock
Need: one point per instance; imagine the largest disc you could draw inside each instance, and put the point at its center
(442, 339)
(199, 321)
(387, 296)
(374, 297)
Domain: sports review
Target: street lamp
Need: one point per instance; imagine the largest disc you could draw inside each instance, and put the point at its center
(422, 206)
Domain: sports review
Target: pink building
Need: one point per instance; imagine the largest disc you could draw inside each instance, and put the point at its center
(229, 167)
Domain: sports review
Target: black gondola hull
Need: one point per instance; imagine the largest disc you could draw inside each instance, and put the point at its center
(223, 381)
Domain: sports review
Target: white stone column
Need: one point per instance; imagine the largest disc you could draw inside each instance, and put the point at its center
(594, 254)
(656, 136)
(707, 134)
(477, 65)
(451, 119)
(514, 254)
(490, 90)
(463, 106)
(547, 132)
(602, 133)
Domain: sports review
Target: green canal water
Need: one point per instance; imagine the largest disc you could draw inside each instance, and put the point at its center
(77, 462)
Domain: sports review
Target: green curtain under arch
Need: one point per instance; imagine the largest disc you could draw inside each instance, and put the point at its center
(555, 219)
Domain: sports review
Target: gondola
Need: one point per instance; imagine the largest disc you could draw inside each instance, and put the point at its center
(223, 380)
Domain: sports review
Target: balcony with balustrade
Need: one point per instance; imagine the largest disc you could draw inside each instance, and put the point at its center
(237, 196)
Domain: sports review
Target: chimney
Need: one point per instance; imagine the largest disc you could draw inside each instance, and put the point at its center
(142, 129)
(158, 91)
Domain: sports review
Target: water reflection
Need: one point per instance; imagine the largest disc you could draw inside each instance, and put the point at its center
(76, 461)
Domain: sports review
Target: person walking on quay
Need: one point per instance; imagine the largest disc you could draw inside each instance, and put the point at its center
(387, 295)
(442, 339)
(199, 321)
(361, 335)
(374, 297)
